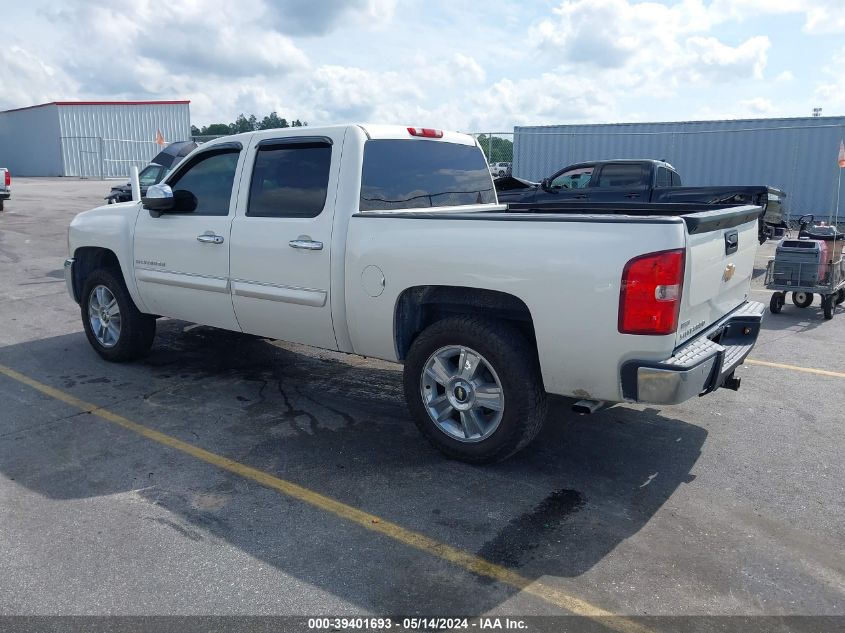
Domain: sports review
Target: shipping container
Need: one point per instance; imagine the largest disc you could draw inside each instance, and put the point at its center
(797, 155)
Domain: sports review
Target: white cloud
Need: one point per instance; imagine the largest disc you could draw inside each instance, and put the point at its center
(468, 68)
(758, 106)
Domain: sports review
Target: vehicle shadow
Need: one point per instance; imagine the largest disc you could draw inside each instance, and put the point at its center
(798, 319)
(338, 425)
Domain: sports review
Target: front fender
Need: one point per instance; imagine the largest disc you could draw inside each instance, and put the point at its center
(111, 227)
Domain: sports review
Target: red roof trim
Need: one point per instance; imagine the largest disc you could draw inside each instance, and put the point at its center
(99, 103)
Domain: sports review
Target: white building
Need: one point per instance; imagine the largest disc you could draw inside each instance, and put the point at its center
(94, 139)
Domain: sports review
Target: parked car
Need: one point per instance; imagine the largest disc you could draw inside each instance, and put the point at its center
(397, 249)
(641, 181)
(499, 170)
(5, 186)
(161, 165)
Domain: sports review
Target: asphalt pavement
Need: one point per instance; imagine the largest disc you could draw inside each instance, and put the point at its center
(731, 504)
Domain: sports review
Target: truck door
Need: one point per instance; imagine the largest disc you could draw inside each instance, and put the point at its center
(281, 238)
(182, 260)
(569, 184)
(621, 182)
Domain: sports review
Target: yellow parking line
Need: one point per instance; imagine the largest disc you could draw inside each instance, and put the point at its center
(465, 560)
(807, 370)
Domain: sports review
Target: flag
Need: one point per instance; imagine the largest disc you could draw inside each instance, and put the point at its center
(842, 154)
(160, 141)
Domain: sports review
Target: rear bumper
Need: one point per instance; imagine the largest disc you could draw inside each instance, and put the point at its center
(697, 367)
(5, 194)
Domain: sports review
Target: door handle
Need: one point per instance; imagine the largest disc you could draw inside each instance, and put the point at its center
(210, 238)
(632, 195)
(583, 196)
(309, 245)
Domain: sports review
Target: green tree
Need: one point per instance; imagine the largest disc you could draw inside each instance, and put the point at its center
(271, 122)
(215, 129)
(496, 148)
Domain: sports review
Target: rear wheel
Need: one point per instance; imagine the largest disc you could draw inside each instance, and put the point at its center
(115, 328)
(474, 388)
(776, 302)
(802, 299)
(840, 296)
(1, 204)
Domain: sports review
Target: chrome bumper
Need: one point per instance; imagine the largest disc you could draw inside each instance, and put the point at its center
(69, 279)
(697, 367)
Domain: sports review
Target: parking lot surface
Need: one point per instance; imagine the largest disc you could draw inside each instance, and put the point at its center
(267, 478)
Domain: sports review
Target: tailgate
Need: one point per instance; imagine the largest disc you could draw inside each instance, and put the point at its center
(720, 250)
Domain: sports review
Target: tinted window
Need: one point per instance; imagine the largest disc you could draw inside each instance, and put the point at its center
(676, 179)
(290, 180)
(573, 179)
(412, 174)
(620, 175)
(209, 177)
(664, 177)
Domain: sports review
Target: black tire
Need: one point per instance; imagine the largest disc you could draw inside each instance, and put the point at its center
(840, 296)
(1, 204)
(827, 306)
(802, 299)
(512, 357)
(776, 302)
(137, 329)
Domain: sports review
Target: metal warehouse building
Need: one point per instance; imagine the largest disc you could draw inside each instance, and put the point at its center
(89, 139)
(797, 155)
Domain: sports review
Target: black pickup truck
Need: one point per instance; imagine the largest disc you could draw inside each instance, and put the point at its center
(639, 181)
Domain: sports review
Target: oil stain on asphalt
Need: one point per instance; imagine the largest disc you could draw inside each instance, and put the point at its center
(524, 534)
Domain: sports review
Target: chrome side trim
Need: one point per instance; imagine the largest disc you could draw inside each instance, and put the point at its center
(285, 294)
(183, 280)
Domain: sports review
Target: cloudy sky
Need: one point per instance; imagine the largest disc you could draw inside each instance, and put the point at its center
(473, 66)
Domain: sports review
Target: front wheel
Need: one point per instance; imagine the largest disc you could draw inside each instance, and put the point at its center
(776, 302)
(802, 299)
(840, 296)
(115, 328)
(474, 388)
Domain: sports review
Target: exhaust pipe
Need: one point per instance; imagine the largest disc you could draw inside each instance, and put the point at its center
(585, 407)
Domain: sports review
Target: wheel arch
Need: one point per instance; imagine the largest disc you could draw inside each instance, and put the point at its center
(87, 259)
(419, 307)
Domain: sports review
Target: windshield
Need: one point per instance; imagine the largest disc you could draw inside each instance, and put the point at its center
(150, 175)
(410, 174)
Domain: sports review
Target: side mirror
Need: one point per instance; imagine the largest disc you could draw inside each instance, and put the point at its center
(162, 199)
(544, 184)
(158, 199)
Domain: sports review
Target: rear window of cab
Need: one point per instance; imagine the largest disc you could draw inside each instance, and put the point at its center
(415, 174)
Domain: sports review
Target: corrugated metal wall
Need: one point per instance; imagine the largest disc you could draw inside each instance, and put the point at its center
(796, 155)
(29, 141)
(106, 140)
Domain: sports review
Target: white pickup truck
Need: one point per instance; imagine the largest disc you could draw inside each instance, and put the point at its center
(5, 186)
(388, 242)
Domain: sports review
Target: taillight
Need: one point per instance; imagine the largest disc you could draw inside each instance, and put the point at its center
(426, 132)
(650, 296)
(8, 178)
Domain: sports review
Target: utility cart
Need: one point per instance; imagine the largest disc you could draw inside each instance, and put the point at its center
(809, 265)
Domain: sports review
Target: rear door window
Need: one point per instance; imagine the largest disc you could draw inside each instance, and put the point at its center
(290, 180)
(413, 174)
(621, 175)
(664, 177)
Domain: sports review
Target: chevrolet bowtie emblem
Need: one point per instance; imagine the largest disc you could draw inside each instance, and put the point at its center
(730, 269)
